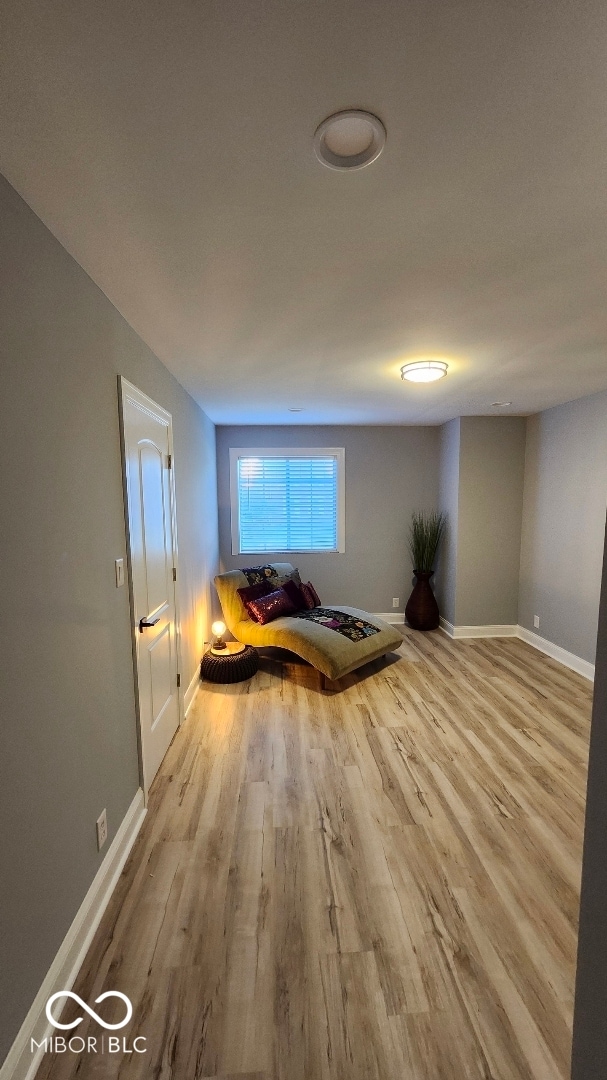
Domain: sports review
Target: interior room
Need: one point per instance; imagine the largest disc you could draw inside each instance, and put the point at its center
(304, 396)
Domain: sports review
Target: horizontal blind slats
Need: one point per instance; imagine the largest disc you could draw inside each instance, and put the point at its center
(287, 504)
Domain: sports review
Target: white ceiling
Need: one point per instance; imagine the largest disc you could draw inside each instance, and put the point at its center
(168, 145)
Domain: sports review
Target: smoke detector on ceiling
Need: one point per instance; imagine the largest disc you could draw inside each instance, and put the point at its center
(349, 140)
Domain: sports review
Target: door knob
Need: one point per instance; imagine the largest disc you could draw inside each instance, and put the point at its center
(147, 622)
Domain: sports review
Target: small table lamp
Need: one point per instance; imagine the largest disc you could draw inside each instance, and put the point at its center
(218, 629)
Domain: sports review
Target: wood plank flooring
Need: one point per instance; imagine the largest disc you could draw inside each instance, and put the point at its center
(375, 884)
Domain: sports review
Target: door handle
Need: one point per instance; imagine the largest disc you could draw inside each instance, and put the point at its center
(147, 622)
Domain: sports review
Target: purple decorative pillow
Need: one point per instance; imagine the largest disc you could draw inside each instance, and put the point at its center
(307, 595)
(271, 606)
(310, 595)
(315, 596)
(296, 596)
(253, 592)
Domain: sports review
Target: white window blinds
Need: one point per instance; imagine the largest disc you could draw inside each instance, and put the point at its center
(287, 502)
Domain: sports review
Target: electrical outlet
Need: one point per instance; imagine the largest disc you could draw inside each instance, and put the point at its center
(101, 829)
(536, 621)
(395, 601)
(119, 572)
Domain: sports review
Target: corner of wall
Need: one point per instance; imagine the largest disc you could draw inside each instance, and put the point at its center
(446, 578)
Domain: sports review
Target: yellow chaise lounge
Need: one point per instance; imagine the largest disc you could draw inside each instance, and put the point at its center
(328, 650)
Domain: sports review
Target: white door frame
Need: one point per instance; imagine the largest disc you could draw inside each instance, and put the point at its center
(128, 392)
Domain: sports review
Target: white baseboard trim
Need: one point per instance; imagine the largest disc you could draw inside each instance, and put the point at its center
(478, 631)
(190, 694)
(395, 618)
(20, 1063)
(570, 660)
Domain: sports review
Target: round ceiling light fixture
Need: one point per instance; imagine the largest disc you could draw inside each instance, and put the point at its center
(500, 404)
(349, 139)
(424, 370)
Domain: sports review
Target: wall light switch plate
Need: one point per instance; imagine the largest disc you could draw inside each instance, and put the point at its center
(119, 572)
(536, 621)
(101, 829)
(395, 601)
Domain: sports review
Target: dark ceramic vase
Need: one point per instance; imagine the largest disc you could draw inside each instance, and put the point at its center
(421, 611)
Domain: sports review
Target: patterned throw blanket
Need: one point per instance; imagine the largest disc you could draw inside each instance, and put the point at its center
(348, 625)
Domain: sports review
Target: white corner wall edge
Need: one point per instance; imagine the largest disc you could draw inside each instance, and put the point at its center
(569, 659)
(188, 698)
(20, 1063)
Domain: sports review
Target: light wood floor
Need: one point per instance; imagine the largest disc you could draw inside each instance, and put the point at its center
(377, 884)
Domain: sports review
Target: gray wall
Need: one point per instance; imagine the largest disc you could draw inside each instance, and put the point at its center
(590, 1025)
(490, 504)
(390, 472)
(68, 738)
(481, 492)
(563, 523)
(448, 498)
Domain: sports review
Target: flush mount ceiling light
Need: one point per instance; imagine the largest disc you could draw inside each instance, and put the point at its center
(424, 370)
(349, 139)
(500, 404)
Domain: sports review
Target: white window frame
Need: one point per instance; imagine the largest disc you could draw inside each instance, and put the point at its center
(337, 452)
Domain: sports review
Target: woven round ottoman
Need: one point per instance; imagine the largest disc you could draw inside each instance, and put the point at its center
(229, 667)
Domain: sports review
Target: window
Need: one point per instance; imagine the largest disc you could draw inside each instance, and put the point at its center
(287, 500)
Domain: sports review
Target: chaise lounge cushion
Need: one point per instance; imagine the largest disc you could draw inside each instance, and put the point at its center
(328, 651)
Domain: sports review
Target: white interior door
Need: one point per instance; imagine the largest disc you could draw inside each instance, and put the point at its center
(147, 436)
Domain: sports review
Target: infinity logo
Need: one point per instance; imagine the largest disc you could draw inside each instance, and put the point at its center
(74, 1023)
